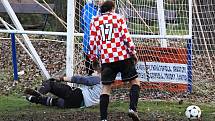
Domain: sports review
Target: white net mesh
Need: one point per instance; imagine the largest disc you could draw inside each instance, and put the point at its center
(203, 46)
(143, 16)
(160, 68)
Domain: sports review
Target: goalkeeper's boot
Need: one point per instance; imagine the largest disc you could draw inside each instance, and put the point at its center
(33, 92)
(32, 99)
(133, 114)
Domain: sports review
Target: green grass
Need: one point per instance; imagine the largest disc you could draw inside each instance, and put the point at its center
(13, 105)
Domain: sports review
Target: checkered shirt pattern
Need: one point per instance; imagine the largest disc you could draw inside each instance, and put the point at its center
(110, 38)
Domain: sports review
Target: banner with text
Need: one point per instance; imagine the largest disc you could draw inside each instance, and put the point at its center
(163, 68)
(162, 72)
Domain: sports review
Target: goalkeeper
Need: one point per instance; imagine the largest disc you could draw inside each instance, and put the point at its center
(89, 10)
(68, 97)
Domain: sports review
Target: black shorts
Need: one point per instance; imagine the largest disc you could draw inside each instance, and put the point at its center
(125, 67)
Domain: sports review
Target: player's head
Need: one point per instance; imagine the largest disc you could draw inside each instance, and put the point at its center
(107, 6)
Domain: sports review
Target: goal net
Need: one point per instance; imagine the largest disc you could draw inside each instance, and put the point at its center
(156, 17)
(174, 40)
(162, 32)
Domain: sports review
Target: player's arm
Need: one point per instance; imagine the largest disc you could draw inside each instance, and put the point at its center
(85, 80)
(93, 42)
(127, 38)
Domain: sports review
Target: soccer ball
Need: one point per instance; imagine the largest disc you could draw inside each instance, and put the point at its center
(193, 112)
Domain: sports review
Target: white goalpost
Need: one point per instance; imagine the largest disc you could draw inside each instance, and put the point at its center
(70, 37)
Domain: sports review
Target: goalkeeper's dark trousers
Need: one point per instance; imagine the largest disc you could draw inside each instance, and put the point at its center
(66, 96)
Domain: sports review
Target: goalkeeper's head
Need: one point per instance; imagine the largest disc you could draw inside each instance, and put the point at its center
(107, 6)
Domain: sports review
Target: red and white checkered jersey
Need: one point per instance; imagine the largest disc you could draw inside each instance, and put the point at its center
(110, 39)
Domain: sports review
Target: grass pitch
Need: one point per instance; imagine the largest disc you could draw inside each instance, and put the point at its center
(17, 108)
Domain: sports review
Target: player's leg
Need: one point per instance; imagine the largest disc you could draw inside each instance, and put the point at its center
(33, 92)
(104, 101)
(72, 96)
(108, 75)
(43, 100)
(47, 101)
(67, 96)
(41, 90)
(59, 89)
(129, 73)
(74, 101)
(50, 85)
(134, 96)
(47, 86)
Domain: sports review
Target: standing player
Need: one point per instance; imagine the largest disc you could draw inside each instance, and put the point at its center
(109, 38)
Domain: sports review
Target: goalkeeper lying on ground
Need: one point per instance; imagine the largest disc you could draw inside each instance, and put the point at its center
(68, 97)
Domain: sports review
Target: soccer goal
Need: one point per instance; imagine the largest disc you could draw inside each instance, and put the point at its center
(174, 40)
(162, 32)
